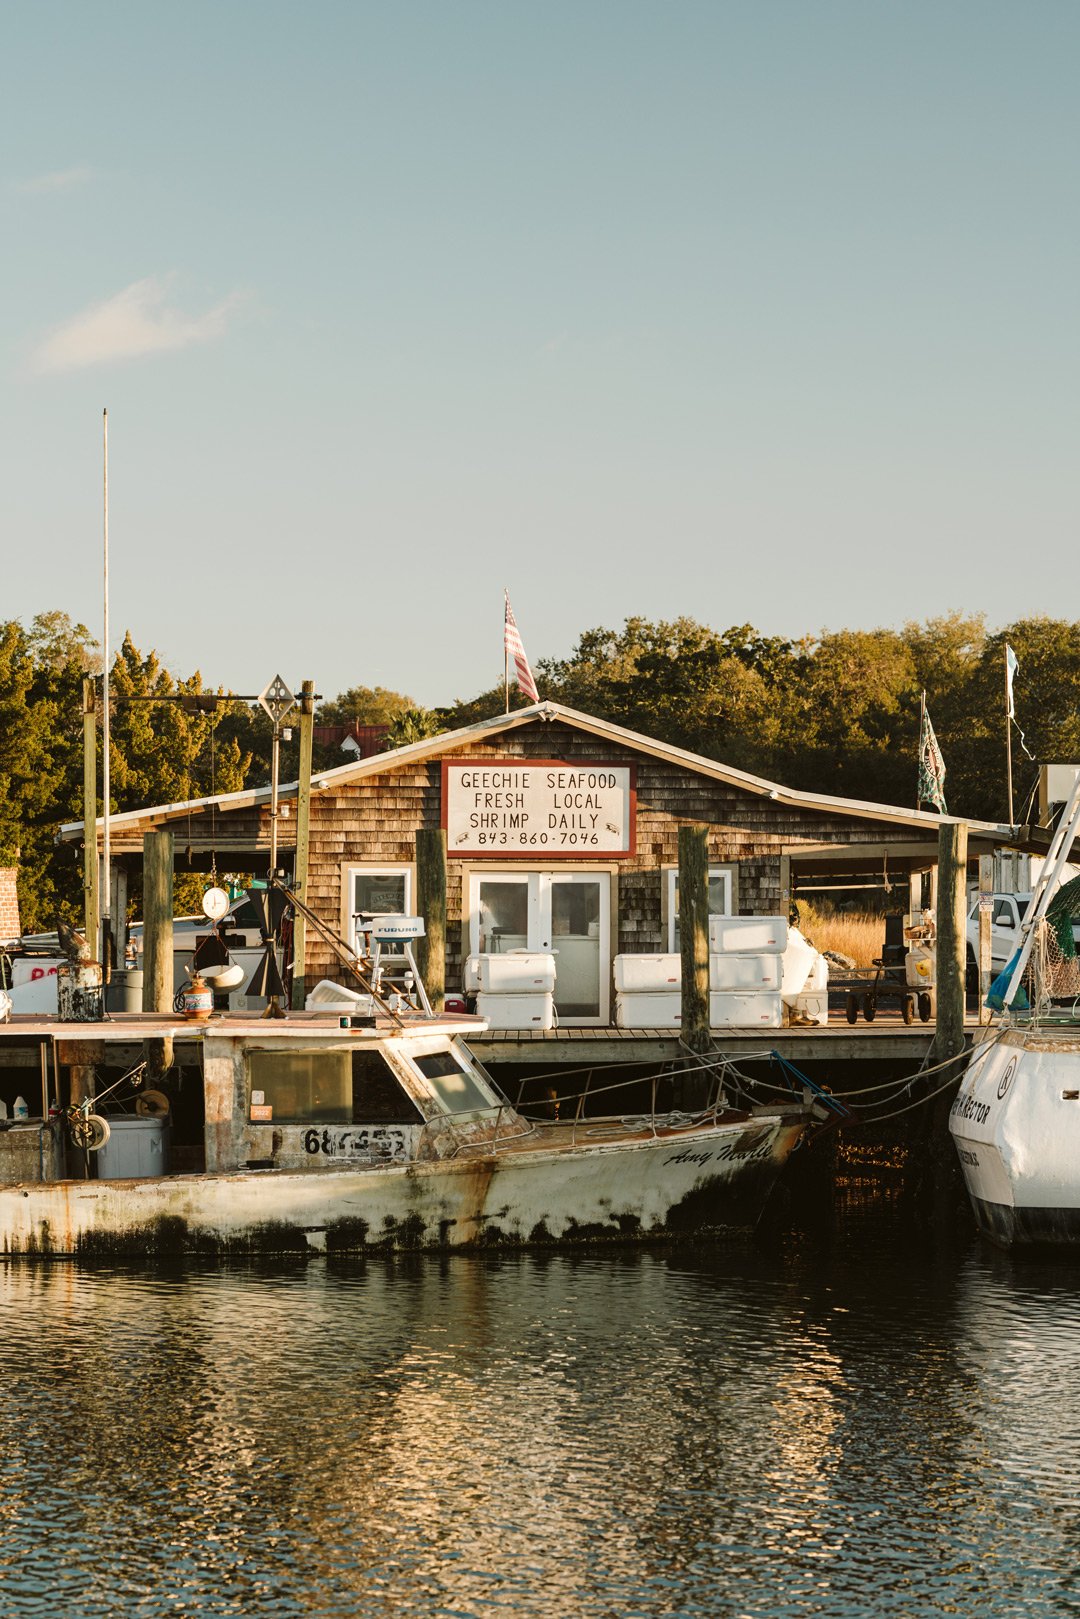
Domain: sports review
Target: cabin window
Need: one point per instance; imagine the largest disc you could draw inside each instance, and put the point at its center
(376, 891)
(721, 898)
(457, 1085)
(341, 1087)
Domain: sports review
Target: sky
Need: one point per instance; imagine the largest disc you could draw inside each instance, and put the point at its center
(757, 312)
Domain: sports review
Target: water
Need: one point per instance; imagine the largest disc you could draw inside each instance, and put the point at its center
(855, 1428)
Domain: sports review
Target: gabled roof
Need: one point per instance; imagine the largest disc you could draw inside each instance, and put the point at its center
(483, 730)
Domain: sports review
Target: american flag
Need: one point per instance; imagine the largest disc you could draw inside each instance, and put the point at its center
(514, 649)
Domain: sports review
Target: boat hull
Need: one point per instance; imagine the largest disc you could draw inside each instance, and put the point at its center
(699, 1183)
(1016, 1126)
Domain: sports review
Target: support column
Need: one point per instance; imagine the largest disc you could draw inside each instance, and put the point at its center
(693, 1089)
(986, 916)
(158, 971)
(951, 940)
(303, 841)
(91, 904)
(431, 905)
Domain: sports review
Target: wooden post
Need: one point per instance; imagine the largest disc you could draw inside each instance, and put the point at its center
(986, 916)
(303, 832)
(91, 906)
(694, 941)
(431, 905)
(951, 941)
(158, 968)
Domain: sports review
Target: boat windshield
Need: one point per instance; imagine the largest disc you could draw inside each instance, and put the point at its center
(458, 1085)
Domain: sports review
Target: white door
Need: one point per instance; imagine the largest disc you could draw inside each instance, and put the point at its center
(567, 913)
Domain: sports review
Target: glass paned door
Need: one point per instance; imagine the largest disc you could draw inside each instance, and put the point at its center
(568, 914)
(579, 927)
(504, 914)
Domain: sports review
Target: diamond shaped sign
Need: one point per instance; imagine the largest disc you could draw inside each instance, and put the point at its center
(277, 699)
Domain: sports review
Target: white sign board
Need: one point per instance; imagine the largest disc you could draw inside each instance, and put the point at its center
(550, 807)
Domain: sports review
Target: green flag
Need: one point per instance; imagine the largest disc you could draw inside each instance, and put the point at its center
(931, 766)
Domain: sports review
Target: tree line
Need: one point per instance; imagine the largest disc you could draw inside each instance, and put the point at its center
(835, 713)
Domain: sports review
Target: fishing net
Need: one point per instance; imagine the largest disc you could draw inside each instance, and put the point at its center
(1054, 966)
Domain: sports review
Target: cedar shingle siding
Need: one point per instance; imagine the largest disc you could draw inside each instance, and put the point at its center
(374, 821)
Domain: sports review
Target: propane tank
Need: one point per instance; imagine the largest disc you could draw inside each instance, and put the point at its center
(198, 999)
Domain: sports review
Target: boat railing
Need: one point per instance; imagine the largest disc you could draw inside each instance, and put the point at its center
(550, 1106)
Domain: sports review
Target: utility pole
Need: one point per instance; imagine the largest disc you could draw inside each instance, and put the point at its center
(303, 837)
(91, 908)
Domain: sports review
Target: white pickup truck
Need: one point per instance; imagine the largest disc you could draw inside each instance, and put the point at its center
(1007, 913)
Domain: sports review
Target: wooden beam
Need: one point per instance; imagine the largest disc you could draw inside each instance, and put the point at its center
(158, 970)
(986, 916)
(431, 905)
(303, 837)
(951, 941)
(694, 938)
(91, 874)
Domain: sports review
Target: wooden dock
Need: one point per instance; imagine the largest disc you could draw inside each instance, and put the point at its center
(887, 1039)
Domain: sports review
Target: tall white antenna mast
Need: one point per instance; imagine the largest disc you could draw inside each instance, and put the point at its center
(106, 886)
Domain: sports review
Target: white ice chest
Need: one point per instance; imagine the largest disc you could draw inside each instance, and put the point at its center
(507, 1011)
(726, 1011)
(529, 972)
(748, 935)
(650, 975)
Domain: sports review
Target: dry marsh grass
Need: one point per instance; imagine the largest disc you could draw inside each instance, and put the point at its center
(858, 934)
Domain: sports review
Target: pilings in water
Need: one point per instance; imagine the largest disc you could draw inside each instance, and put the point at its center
(692, 1090)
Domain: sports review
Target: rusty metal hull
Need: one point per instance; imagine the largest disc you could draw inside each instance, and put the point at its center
(554, 1190)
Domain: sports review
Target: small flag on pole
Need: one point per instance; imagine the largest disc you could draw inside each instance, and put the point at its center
(514, 651)
(1012, 664)
(931, 765)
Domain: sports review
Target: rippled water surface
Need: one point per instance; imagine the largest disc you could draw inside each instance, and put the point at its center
(863, 1428)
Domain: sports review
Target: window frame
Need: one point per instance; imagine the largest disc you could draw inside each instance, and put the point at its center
(727, 869)
(372, 868)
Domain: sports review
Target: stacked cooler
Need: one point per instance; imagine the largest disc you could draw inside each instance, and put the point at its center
(746, 971)
(515, 990)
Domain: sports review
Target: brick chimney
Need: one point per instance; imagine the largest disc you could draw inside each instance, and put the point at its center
(9, 904)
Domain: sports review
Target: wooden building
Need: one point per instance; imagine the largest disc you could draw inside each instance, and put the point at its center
(562, 833)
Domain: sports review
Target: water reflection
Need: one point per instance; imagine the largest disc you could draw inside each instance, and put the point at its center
(852, 1430)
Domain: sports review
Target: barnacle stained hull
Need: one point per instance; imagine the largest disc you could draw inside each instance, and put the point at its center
(558, 1185)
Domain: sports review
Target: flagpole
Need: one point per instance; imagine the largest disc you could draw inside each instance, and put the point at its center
(506, 655)
(1008, 735)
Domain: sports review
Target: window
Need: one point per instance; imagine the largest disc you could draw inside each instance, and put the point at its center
(1004, 914)
(721, 901)
(327, 1086)
(375, 891)
(302, 1085)
(457, 1084)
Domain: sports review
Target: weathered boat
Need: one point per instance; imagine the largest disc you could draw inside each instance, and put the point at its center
(309, 1132)
(1015, 1120)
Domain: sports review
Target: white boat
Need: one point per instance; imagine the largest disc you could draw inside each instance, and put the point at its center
(1016, 1117)
(308, 1132)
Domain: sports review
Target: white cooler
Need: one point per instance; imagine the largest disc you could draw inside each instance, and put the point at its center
(733, 973)
(516, 973)
(517, 1011)
(748, 935)
(763, 1011)
(649, 975)
(812, 1005)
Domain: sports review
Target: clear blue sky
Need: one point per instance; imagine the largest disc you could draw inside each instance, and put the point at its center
(753, 311)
